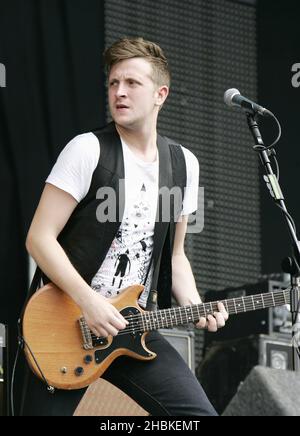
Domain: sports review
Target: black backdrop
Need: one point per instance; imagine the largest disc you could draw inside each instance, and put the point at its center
(54, 89)
(278, 49)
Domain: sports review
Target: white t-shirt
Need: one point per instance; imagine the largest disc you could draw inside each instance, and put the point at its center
(128, 258)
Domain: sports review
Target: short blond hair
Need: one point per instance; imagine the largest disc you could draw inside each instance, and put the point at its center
(128, 48)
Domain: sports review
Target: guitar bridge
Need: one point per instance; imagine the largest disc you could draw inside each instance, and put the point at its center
(86, 334)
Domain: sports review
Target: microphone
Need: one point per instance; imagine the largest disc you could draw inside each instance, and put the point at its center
(232, 97)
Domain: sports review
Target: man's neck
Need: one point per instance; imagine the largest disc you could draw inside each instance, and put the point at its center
(142, 142)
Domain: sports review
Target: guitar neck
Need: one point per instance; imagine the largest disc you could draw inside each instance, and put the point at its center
(184, 315)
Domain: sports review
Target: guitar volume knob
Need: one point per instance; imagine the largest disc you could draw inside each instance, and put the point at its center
(79, 371)
(87, 359)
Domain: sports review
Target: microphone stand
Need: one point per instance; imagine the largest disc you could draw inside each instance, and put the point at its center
(290, 265)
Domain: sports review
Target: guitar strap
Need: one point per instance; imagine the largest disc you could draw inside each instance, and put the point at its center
(164, 231)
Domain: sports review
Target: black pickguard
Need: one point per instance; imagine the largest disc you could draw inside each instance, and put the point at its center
(131, 340)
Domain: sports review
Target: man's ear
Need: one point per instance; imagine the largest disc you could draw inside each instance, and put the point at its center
(162, 94)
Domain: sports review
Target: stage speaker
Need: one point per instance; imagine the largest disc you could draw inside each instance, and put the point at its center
(184, 342)
(276, 351)
(267, 392)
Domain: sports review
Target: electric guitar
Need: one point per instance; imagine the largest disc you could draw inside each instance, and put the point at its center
(62, 350)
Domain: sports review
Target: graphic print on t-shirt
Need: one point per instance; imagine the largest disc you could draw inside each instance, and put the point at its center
(122, 262)
(128, 258)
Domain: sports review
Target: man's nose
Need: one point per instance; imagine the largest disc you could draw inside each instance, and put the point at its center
(121, 90)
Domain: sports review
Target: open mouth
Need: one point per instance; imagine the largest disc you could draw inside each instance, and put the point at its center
(122, 106)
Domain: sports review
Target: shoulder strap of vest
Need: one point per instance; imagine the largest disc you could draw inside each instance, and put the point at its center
(178, 167)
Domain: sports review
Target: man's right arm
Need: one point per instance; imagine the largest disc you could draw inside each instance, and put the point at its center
(54, 209)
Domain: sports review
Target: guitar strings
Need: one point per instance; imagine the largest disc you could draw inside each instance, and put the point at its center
(194, 309)
(132, 329)
(235, 306)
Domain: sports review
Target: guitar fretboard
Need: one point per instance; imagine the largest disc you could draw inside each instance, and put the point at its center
(187, 314)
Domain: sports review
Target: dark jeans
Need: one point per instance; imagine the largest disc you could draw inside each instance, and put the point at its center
(164, 386)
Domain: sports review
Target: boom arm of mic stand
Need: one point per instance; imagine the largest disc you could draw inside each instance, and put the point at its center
(276, 193)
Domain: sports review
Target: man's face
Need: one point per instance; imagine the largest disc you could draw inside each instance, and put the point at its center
(133, 96)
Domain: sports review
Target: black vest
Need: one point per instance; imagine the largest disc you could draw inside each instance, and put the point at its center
(86, 241)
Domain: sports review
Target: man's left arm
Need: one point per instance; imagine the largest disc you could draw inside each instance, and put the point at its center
(183, 282)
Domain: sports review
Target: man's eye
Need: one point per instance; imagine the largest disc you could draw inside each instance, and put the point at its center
(133, 83)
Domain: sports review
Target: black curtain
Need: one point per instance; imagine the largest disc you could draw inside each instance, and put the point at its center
(52, 54)
(278, 51)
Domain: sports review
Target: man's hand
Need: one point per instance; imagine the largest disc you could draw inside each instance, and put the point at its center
(213, 323)
(102, 317)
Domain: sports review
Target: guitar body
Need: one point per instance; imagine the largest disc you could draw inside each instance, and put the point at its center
(53, 337)
(60, 347)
